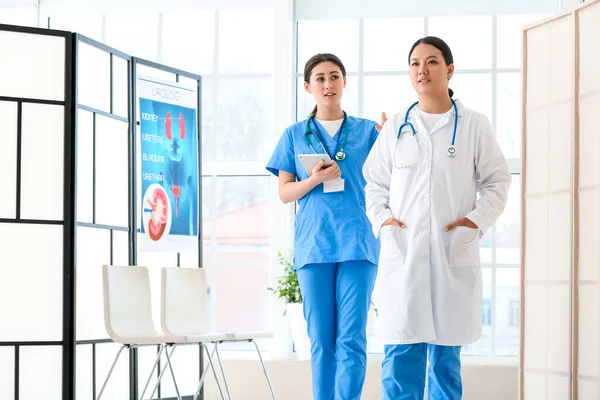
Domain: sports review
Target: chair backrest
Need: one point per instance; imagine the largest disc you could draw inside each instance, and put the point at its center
(127, 302)
(183, 308)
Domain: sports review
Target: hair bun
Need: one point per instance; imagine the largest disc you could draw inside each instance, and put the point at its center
(451, 92)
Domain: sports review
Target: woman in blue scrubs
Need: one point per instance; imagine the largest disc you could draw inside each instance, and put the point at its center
(335, 252)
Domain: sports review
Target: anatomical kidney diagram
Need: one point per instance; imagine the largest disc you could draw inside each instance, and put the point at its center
(157, 212)
(175, 156)
(162, 202)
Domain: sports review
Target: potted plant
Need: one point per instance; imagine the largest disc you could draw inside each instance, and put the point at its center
(288, 289)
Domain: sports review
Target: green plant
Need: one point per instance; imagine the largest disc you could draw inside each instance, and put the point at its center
(288, 287)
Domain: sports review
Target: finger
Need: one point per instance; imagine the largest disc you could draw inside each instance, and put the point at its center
(383, 119)
(398, 223)
(451, 226)
(469, 224)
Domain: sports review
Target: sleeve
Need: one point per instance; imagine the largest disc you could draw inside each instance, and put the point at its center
(493, 178)
(374, 135)
(377, 171)
(283, 156)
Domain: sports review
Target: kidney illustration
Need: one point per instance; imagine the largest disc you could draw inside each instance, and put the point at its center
(157, 216)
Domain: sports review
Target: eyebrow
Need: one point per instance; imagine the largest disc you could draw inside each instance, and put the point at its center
(416, 59)
(332, 72)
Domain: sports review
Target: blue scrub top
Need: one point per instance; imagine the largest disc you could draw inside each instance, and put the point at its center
(330, 227)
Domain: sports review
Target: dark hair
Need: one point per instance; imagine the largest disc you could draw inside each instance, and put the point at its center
(438, 44)
(318, 59)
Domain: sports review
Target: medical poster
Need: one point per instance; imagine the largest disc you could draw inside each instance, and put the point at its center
(168, 165)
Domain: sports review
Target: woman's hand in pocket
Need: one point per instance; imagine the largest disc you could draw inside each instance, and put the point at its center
(394, 221)
(464, 221)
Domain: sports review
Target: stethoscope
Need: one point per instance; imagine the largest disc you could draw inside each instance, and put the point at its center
(451, 152)
(340, 155)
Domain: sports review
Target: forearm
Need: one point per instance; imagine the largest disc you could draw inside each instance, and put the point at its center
(490, 205)
(293, 191)
(377, 202)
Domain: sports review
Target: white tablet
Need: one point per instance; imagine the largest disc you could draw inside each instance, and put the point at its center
(310, 160)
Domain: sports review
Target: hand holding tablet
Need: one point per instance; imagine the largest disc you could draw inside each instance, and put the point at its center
(310, 161)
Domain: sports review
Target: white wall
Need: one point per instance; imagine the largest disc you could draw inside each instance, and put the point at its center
(568, 5)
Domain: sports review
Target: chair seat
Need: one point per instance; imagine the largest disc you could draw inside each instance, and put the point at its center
(148, 340)
(232, 336)
(208, 337)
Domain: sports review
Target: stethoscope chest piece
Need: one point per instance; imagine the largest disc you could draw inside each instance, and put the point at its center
(340, 156)
(451, 151)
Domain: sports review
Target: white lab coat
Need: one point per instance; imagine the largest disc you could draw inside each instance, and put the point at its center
(428, 286)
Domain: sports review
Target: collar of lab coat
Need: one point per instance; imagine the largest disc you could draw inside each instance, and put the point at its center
(448, 118)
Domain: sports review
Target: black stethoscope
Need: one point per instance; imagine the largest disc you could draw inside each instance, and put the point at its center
(451, 152)
(340, 155)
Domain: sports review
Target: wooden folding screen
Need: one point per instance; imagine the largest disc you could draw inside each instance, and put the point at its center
(561, 207)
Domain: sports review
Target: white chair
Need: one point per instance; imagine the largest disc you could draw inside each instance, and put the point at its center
(184, 313)
(248, 337)
(128, 316)
(185, 309)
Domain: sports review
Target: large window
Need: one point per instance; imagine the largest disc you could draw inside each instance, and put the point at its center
(237, 123)
(487, 78)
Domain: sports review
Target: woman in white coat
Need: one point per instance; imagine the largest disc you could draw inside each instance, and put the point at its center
(424, 174)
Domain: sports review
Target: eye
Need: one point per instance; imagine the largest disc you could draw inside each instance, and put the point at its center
(334, 77)
(413, 64)
(432, 62)
(319, 79)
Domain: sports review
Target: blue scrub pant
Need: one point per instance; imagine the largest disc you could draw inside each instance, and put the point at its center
(403, 372)
(336, 300)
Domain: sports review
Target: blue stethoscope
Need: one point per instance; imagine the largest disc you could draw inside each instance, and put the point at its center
(340, 155)
(451, 149)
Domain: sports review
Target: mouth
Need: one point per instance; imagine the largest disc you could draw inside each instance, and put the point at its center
(424, 81)
(330, 94)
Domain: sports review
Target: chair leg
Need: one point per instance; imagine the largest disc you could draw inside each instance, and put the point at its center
(161, 375)
(222, 371)
(203, 346)
(161, 347)
(172, 374)
(264, 369)
(110, 372)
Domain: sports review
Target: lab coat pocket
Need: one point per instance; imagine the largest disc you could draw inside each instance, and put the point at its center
(392, 250)
(464, 247)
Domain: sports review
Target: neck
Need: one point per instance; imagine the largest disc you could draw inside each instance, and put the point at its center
(329, 113)
(435, 104)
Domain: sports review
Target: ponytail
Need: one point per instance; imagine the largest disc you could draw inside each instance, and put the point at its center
(314, 111)
(451, 93)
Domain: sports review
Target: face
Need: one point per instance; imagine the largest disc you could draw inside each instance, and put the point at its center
(429, 73)
(326, 84)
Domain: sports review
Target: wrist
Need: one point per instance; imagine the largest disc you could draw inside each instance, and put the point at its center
(313, 180)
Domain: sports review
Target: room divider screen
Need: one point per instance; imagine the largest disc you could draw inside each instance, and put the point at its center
(561, 207)
(69, 203)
